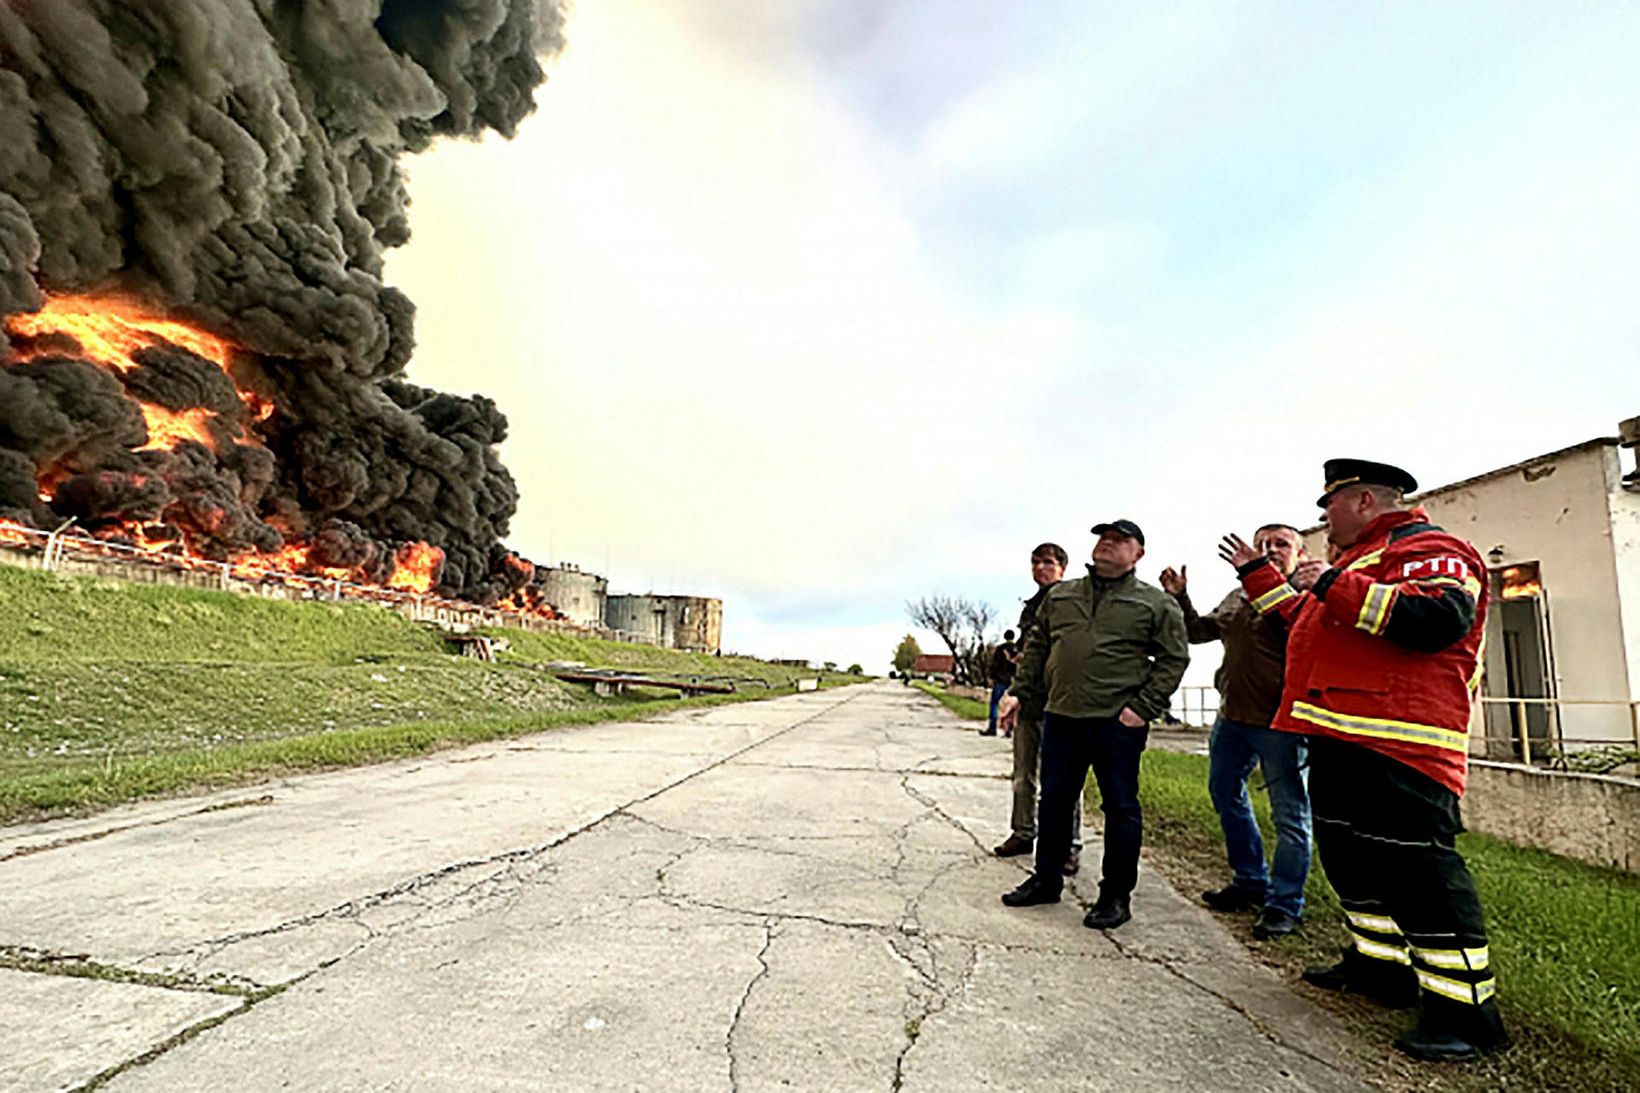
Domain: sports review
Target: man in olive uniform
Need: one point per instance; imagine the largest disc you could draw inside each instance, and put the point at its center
(1047, 569)
(1107, 651)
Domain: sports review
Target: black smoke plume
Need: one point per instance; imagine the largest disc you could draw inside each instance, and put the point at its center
(236, 164)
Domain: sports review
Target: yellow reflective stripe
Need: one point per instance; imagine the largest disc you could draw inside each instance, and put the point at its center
(1383, 728)
(1458, 991)
(1378, 950)
(1375, 608)
(1365, 560)
(1381, 923)
(1472, 586)
(1280, 594)
(1473, 960)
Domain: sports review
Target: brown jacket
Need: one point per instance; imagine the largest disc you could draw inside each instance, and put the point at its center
(1255, 650)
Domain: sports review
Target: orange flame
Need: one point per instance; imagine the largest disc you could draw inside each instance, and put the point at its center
(110, 331)
(416, 567)
(168, 428)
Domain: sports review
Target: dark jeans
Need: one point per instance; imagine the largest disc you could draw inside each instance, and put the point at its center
(1070, 745)
(1234, 748)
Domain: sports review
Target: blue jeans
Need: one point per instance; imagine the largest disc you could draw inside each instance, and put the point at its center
(1233, 750)
(997, 691)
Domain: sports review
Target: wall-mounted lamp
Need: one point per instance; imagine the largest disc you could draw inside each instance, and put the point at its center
(1496, 554)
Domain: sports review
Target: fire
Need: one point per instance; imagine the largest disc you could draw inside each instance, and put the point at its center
(12, 534)
(111, 331)
(416, 567)
(1521, 582)
(168, 428)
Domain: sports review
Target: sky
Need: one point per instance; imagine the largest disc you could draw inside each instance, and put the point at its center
(826, 305)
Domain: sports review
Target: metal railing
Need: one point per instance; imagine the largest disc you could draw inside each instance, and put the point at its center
(1553, 740)
(1196, 706)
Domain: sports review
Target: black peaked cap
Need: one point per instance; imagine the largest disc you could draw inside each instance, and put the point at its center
(1362, 472)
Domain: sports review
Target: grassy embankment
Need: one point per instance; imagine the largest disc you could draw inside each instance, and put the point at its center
(1565, 938)
(112, 691)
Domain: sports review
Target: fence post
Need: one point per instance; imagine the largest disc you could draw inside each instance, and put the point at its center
(1634, 718)
(1525, 733)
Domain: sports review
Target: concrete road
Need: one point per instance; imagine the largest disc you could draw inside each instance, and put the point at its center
(793, 894)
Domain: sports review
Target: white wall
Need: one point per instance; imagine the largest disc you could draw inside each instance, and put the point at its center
(1625, 521)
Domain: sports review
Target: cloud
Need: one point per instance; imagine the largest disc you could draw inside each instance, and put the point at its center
(818, 309)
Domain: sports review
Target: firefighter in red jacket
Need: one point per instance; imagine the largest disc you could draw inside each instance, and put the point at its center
(1383, 663)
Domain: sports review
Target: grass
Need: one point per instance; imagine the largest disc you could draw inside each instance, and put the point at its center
(961, 705)
(111, 691)
(89, 786)
(1565, 939)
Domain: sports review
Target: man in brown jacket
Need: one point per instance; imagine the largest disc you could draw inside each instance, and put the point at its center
(1249, 683)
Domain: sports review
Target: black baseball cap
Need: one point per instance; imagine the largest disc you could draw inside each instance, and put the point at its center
(1340, 473)
(1121, 527)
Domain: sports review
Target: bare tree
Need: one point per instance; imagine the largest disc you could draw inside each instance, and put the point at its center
(961, 624)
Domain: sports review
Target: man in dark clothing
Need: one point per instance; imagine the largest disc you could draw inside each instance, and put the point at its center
(1105, 653)
(1002, 674)
(1047, 569)
(1249, 683)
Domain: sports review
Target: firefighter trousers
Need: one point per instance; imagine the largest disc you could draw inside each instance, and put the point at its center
(1385, 835)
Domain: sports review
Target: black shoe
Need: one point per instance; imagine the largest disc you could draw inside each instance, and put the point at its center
(1013, 846)
(987, 732)
(1032, 892)
(1396, 989)
(1109, 913)
(1432, 1043)
(1232, 900)
(1073, 864)
(1272, 924)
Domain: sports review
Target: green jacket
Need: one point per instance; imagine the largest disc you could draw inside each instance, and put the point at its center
(1096, 646)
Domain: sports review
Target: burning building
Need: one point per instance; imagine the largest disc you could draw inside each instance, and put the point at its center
(198, 353)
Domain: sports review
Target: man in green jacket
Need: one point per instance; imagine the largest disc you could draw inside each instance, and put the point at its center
(1106, 651)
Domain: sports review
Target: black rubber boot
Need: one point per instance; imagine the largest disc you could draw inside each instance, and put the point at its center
(1394, 986)
(1453, 1032)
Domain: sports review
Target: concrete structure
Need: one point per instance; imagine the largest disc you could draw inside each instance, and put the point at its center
(578, 596)
(1561, 534)
(1594, 818)
(792, 894)
(691, 623)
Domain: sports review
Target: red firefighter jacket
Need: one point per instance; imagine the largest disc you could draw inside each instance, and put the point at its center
(1385, 650)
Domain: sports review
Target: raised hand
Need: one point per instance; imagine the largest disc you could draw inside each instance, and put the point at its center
(1307, 573)
(1237, 551)
(1173, 580)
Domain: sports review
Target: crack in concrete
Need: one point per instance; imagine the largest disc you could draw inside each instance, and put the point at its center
(934, 806)
(740, 1006)
(350, 909)
(93, 836)
(934, 1003)
(23, 958)
(1258, 1024)
(354, 906)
